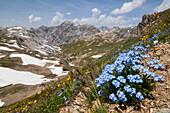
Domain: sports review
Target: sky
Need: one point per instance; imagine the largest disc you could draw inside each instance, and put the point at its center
(35, 13)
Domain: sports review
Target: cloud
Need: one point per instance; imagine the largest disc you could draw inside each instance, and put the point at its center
(128, 7)
(135, 18)
(57, 19)
(163, 6)
(68, 13)
(34, 20)
(104, 20)
(30, 18)
(11, 21)
(90, 20)
(95, 11)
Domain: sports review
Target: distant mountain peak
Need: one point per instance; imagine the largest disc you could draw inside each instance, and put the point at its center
(67, 23)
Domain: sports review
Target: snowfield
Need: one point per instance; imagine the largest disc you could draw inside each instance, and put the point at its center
(13, 45)
(27, 59)
(71, 64)
(9, 76)
(42, 52)
(1, 56)
(96, 56)
(57, 70)
(1, 103)
(6, 49)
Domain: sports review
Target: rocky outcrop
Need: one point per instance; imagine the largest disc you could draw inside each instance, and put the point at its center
(150, 21)
(46, 40)
(64, 33)
(147, 20)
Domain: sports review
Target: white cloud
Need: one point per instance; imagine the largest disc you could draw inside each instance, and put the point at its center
(34, 20)
(128, 7)
(163, 6)
(90, 20)
(95, 11)
(104, 20)
(68, 13)
(135, 18)
(57, 19)
(37, 19)
(30, 18)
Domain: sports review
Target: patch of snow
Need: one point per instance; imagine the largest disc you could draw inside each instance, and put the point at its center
(26, 59)
(71, 64)
(17, 27)
(18, 31)
(54, 47)
(52, 57)
(96, 56)
(51, 61)
(1, 103)
(9, 76)
(6, 49)
(44, 57)
(47, 46)
(12, 41)
(1, 56)
(37, 55)
(11, 31)
(22, 35)
(59, 49)
(14, 45)
(57, 70)
(119, 40)
(23, 46)
(42, 52)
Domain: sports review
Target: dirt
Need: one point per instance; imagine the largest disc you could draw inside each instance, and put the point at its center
(14, 93)
(16, 64)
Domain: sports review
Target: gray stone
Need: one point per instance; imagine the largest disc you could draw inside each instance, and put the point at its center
(163, 110)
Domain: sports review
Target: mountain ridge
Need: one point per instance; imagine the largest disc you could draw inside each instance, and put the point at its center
(64, 33)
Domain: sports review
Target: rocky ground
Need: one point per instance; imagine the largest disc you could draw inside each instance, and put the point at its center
(161, 91)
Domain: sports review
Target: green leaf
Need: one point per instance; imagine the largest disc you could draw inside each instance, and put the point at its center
(106, 105)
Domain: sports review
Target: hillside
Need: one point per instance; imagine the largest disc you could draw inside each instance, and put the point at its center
(88, 53)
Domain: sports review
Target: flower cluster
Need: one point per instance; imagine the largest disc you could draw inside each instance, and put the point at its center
(155, 61)
(134, 78)
(157, 66)
(139, 96)
(113, 97)
(126, 72)
(116, 83)
(130, 90)
(121, 96)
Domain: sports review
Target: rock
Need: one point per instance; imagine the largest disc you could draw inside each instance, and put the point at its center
(151, 110)
(163, 110)
(129, 109)
(64, 33)
(159, 52)
(147, 20)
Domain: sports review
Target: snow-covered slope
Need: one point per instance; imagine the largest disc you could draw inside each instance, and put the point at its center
(1, 103)
(6, 48)
(9, 76)
(27, 59)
